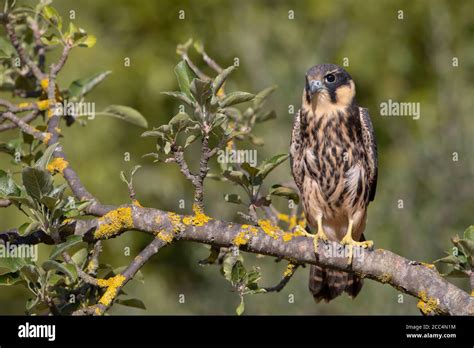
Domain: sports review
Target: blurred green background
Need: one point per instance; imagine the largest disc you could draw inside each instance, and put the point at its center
(406, 60)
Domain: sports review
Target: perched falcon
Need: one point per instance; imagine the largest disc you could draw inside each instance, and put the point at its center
(334, 164)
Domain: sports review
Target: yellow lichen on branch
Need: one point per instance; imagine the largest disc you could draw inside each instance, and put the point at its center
(269, 228)
(57, 165)
(244, 236)
(428, 305)
(199, 219)
(290, 269)
(114, 222)
(112, 284)
(47, 138)
(175, 222)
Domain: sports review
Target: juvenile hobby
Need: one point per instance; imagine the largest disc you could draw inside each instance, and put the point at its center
(334, 164)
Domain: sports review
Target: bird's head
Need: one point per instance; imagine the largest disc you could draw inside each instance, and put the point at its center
(328, 86)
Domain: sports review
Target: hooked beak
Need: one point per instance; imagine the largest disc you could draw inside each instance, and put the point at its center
(315, 86)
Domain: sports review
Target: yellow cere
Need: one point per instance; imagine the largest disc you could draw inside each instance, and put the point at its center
(198, 219)
(114, 222)
(428, 305)
(112, 285)
(57, 165)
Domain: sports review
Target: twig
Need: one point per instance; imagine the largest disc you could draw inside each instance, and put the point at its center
(26, 119)
(128, 274)
(20, 50)
(286, 278)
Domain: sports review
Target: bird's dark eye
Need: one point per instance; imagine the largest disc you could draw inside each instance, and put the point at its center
(330, 78)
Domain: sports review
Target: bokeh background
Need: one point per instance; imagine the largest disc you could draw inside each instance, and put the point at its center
(406, 60)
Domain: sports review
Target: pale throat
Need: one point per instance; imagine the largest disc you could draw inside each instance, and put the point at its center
(321, 104)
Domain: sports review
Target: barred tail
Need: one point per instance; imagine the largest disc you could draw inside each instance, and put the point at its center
(326, 284)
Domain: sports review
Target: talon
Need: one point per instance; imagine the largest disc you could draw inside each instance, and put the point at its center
(351, 243)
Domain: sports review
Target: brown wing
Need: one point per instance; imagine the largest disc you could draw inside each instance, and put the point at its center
(296, 150)
(370, 146)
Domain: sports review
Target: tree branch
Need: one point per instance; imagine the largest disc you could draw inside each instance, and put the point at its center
(418, 280)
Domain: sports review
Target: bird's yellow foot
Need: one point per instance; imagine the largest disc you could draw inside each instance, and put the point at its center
(351, 243)
(320, 235)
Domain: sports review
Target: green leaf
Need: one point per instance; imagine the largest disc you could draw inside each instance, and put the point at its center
(238, 272)
(181, 96)
(132, 302)
(46, 157)
(125, 113)
(185, 75)
(469, 233)
(241, 308)
(254, 276)
(80, 257)
(267, 166)
(13, 264)
(37, 182)
(261, 97)
(51, 40)
(6, 47)
(189, 140)
(10, 279)
(51, 14)
(7, 185)
(32, 227)
(468, 246)
(283, 191)
(30, 273)
(236, 177)
(236, 98)
(201, 90)
(269, 115)
(451, 259)
(79, 88)
(221, 78)
(87, 41)
(251, 170)
(233, 198)
(69, 243)
(218, 120)
(51, 265)
(179, 122)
